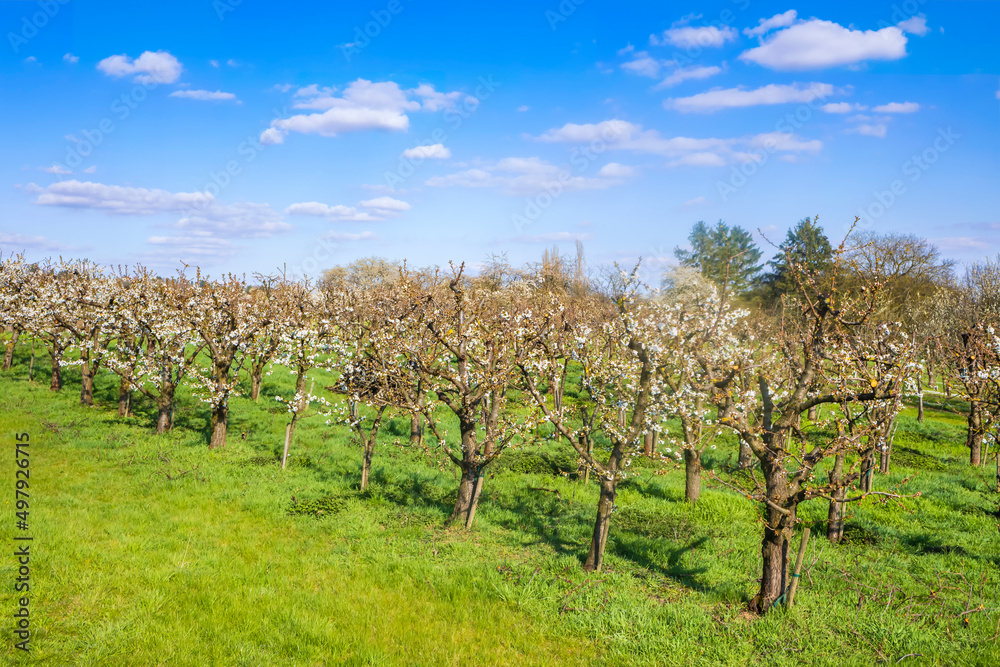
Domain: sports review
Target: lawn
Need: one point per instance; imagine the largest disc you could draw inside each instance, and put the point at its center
(157, 551)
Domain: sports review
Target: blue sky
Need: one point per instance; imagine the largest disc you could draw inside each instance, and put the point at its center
(243, 136)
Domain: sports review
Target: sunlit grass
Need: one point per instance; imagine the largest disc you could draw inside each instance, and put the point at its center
(156, 551)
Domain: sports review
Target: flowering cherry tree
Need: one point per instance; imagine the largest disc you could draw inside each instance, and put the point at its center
(156, 344)
(821, 351)
(227, 316)
(619, 343)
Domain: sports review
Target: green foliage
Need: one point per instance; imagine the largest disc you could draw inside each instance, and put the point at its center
(725, 255)
(806, 250)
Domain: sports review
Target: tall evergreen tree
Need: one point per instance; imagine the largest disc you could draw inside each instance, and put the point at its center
(725, 255)
(805, 246)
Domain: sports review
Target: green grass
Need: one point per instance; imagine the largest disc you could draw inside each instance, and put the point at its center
(156, 551)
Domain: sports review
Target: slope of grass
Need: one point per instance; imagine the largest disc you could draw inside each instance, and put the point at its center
(154, 550)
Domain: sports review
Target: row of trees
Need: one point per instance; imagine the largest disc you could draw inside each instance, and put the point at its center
(487, 363)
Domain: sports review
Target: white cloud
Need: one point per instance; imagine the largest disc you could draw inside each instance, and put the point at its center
(766, 25)
(18, 242)
(644, 65)
(213, 63)
(232, 63)
(205, 95)
(92, 169)
(364, 105)
(30, 59)
(688, 73)
(350, 236)
(817, 44)
(433, 151)
(773, 93)
(380, 208)
(626, 49)
(622, 135)
(897, 107)
(687, 36)
(199, 210)
(523, 107)
(870, 129)
(385, 204)
(555, 237)
(71, 59)
(615, 170)
(194, 249)
(697, 201)
(150, 67)
(915, 25)
(56, 169)
(524, 176)
(842, 107)
(282, 87)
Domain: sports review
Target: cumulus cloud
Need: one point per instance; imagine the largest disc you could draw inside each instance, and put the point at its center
(897, 107)
(376, 209)
(205, 95)
(818, 44)
(150, 67)
(684, 36)
(71, 59)
(432, 151)
(56, 169)
(682, 74)
(615, 170)
(644, 65)
(199, 211)
(842, 107)
(525, 176)
(714, 100)
(870, 129)
(682, 151)
(363, 105)
(766, 25)
(92, 169)
(916, 25)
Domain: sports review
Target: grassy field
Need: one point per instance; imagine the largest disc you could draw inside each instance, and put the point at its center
(156, 551)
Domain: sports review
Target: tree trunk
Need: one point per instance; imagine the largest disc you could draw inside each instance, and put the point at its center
(31, 364)
(835, 517)
(920, 400)
(123, 395)
(367, 454)
(477, 491)
(416, 429)
(887, 448)
(163, 418)
(812, 414)
(777, 535)
(648, 442)
(599, 540)
(974, 437)
(220, 415)
(692, 475)
(8, 357)
(57, 355)
(86, 379)
(746, 456)
(256, 380)
(466, 491)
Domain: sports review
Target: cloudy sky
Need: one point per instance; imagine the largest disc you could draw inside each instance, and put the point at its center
(243, 136)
